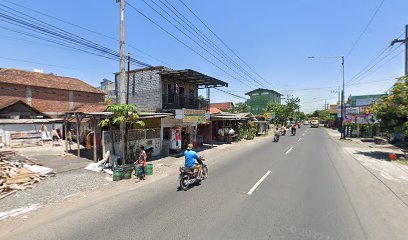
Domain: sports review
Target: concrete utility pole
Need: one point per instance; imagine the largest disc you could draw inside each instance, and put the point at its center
(128, 80)
(406, 47)
(122, 77)
(343, 108)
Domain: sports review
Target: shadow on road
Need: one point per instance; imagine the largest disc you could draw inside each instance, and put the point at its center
(378, 155)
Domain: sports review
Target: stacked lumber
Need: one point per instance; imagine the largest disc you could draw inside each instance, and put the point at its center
(14, 176)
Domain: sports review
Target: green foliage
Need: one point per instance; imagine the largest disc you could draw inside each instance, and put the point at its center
(246, 130)
(392, 110)
(284, 111)
(122, 113)
(240, 107)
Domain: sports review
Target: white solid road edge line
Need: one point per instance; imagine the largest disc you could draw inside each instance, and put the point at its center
(299, 139)
(259, 182)
(290, 149)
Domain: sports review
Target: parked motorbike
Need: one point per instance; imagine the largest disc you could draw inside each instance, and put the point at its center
(188, 176)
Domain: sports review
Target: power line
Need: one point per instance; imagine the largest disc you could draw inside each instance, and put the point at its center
(231, 94)
(366, 28)
(189, 37)
(202, 37)
(55, 34)
(226, 45)
(87, 29)
(365, 73)
(51, 65)
(185, 44)
(382, 65)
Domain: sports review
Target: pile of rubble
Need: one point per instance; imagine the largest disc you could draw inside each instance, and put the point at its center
(18, 173)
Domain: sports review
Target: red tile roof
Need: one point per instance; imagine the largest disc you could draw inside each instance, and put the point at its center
(7, 101)
(21, 77)
(223, 105)
(214, 110)
(92, 107)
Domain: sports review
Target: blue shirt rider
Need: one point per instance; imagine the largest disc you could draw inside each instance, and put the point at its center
(190, 156)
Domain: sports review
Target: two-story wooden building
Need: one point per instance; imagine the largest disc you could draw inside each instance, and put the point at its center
(161, 89)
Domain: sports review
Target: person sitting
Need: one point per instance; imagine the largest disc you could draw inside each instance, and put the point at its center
(190, 160)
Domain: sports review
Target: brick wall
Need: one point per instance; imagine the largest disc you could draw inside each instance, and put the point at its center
(12, 90)
(47, 99)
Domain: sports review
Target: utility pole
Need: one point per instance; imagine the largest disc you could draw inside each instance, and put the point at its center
(128, 80)
(406, 47)
(343, 108)
(122, 77)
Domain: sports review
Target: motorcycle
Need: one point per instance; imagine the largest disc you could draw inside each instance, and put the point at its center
(293, 130)
(276, 138)
(189, 177)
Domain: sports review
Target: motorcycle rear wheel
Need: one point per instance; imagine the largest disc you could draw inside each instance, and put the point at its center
(183, 182)
(205, 172)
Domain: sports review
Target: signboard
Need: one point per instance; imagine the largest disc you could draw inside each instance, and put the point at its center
(268, 116)
(333, 109)
(194, 116)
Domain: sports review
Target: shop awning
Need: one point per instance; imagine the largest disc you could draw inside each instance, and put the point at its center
(192, 76)
(232, 116)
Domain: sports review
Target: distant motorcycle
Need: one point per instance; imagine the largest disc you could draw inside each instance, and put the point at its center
(189, 177)
(276, 138)
(293, 131)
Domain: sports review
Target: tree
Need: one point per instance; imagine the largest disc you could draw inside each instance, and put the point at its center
(122, 113)
(284, 111)
(392, 110)
(240, 107)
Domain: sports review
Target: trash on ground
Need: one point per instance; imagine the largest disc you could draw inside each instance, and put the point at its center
(18, 175)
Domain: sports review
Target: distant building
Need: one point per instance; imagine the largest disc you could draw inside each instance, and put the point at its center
(364, 100)
(224, 106)
(108, 87)
(259, 99)
(49, 94)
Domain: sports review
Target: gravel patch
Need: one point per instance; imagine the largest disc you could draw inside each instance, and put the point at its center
(57, 188)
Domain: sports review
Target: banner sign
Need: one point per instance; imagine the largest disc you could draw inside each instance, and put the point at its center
(194, 116)
(333, 109)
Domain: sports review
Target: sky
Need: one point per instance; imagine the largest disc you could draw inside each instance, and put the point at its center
(275, 38)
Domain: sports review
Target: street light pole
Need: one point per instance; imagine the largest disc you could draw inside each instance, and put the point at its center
(343, 108)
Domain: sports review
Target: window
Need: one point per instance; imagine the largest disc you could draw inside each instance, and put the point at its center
(265, 93)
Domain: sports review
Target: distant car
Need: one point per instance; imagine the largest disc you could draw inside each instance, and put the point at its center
(306, 123)
(314, 123)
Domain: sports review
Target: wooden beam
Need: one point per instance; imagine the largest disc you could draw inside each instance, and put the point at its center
(94, 122)
(77, 133)
(65, 133)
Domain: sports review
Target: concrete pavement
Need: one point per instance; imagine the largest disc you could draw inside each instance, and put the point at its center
(314, 190)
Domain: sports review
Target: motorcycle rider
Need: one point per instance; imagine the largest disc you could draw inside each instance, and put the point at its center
(293, 128)
(277, 134)
(190, 160)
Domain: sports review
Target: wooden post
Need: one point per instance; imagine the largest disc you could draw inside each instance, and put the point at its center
(65, 133)
(77, 133)
(94, 140)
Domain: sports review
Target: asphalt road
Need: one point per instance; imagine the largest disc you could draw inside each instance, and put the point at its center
(304, 187)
